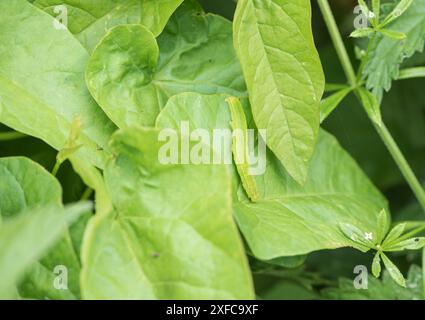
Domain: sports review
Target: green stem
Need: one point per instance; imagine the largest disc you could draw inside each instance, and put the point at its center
(56, 168)
(332, 87)
(87, 194)
(13, 135)
(402, 163)
(418, 72)
(338, 43)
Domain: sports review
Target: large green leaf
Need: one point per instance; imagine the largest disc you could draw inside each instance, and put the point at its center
(172, 235)
(383, 63)
(209, 112)
(274, 43)
(26, 186)
(132, 81)
(290, 219)
(294, 220)
(42, 87)
(90, 20)
(25, 238)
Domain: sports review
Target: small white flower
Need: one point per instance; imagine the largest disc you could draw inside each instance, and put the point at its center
(368, 236)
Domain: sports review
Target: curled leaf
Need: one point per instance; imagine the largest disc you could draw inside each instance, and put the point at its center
(240, 152)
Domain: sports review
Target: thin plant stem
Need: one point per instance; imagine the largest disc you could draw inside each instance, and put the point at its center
(56, 168)
(402, 163)
(338, 43)
(417, 72)
(382, 130)
(87, 194)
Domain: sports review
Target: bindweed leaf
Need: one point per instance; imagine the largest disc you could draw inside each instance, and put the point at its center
(42, 85)
(284, 77)
(132, 75)
(25, 238)
(146, 249)
(27, 187)
(90, 20)
(289, 220)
